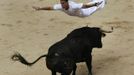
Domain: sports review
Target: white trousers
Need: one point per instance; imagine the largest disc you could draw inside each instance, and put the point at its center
(91, 10)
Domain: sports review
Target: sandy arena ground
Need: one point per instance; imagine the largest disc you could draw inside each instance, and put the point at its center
(31, 33)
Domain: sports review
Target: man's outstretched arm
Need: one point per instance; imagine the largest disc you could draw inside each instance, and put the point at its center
(43, 8)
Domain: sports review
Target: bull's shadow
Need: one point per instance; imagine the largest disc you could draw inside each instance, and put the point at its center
(100, 64)
(103, 64)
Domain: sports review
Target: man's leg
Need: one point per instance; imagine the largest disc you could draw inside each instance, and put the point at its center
(88, 11)
(91, 10)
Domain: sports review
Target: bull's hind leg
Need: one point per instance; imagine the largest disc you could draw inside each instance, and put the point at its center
(89, 64)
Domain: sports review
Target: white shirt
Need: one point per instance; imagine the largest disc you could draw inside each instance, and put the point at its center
(75, 9)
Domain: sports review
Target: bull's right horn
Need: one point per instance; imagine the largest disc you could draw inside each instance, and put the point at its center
(105, 31)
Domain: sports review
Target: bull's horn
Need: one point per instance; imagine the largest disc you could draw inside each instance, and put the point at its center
(105, 31)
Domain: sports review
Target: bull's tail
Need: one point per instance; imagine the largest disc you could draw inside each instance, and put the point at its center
(20, 58)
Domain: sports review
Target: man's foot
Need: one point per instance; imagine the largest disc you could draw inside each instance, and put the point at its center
(98, 3)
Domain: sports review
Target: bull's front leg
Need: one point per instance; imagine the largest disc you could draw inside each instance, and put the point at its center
(89, 64)
(74, 70)
(53, 72)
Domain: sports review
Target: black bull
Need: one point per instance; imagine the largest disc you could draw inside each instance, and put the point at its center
(75, 47)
